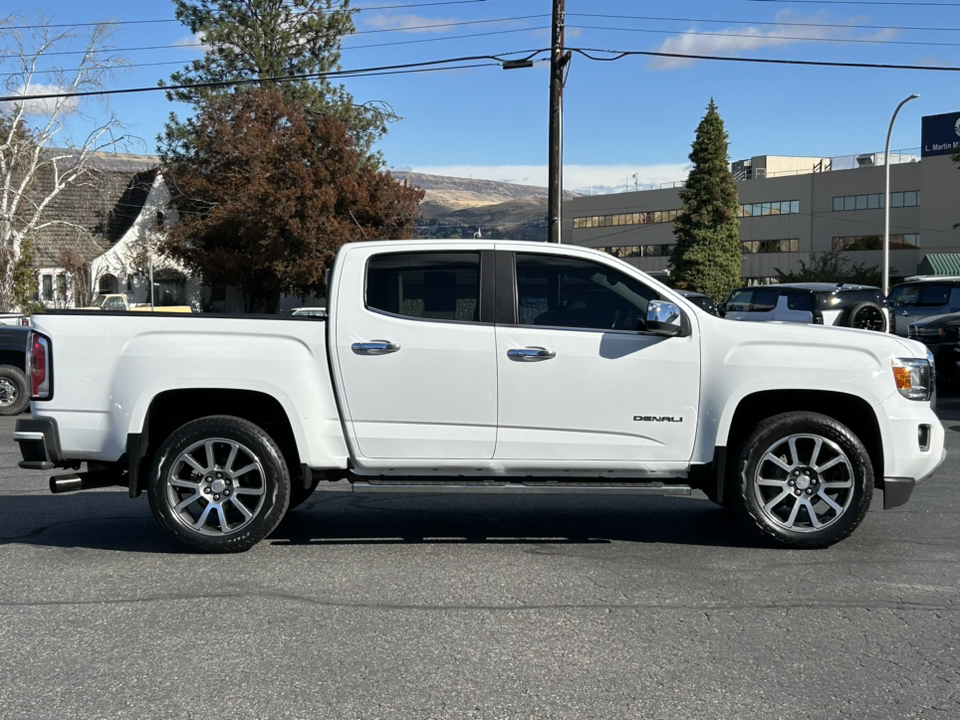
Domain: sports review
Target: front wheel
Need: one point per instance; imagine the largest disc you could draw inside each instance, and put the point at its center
(219, 484)
(804, 480)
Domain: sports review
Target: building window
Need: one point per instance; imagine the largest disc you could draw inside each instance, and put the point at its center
(47, 281)
(771, 246)
(779, 207)
(854, 243)
(627, 251)
(61, 288)
(637, 218)
(910, 198)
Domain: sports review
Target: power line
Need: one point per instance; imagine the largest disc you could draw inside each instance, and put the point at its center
(359, 72)
(775, 38)
(619, 54)
(174, 20)
(761, 22)
(858, 2)
(350, 47)
(194, 46)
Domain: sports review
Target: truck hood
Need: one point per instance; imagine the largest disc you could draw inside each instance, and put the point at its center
(880, 345)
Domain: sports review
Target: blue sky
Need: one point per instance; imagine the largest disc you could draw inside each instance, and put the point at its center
(636, 115)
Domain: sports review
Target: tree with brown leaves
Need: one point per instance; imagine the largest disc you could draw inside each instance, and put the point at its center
(269, 193)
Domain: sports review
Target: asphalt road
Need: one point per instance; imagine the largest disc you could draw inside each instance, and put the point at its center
(467, 607)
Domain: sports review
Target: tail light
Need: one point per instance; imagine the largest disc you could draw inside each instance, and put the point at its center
(38, 367)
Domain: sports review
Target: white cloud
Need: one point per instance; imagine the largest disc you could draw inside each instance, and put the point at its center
(792, 29)
(409, 23)
(586, 179)
(192, 41)
(47, 106)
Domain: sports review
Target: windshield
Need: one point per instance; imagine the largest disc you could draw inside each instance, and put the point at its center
(99, 300)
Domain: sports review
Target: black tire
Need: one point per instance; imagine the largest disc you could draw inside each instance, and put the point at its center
(218, 485)
(867, 316)
(14, 394)
(803, 480)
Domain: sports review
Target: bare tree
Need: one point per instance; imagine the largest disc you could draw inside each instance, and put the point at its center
(39, 157)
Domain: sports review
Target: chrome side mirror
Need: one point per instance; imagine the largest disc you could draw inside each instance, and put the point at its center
(665, 318)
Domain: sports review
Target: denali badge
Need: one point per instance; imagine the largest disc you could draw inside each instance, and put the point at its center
(656, 418)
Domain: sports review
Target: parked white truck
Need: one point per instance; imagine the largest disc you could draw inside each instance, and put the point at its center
(480, 366)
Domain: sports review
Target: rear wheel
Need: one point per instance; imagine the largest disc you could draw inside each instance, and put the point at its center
(14, 395)
(804, 480)
(867, 316)
(219, 484)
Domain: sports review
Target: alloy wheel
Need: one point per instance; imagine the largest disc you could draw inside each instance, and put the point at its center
(804, 483)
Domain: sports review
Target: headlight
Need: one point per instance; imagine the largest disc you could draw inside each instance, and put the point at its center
(914, 377)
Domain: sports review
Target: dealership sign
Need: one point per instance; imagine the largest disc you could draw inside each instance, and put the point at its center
(940, 134)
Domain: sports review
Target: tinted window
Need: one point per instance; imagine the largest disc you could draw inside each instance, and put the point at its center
(765, 300)
(740, 300)
(920, 295)
(437, 286)
(933, 295)
(849, 298)
(565, 292)
(800, 301)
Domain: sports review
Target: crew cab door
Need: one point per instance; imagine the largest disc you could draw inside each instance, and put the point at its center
(415, 353)
(578, 383)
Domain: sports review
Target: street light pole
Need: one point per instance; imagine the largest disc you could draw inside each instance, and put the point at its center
(886, 199)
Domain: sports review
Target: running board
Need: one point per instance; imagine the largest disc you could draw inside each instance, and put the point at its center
(520, 488)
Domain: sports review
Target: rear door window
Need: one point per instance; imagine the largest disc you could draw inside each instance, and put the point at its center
(800, 301)
(934, 295)
(430, 286)
(765, 300)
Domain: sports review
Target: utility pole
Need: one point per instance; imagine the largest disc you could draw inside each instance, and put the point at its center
(558, 62)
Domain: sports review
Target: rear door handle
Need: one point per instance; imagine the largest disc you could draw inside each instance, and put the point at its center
(375, 347)
(530, 353)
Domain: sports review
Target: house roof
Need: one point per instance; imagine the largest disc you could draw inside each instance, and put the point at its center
(92, 214)
(940, 264)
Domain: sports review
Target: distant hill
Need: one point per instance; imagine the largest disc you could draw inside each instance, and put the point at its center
(460, 207)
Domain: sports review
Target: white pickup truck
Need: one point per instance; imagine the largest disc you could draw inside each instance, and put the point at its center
(484, 367)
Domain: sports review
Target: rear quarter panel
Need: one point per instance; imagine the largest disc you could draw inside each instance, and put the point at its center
(107, 370)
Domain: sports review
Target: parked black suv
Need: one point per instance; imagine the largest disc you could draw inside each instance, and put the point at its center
(858, 306)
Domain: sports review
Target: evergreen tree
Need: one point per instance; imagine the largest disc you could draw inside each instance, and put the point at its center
(255, 39)
(708, 254)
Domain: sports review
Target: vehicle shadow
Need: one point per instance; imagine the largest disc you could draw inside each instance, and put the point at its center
(344, 518)
(111, 521)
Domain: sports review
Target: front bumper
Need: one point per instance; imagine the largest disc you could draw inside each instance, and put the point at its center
(913, 447)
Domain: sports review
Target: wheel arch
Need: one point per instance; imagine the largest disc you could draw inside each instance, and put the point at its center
(854, 412)
(170, 409)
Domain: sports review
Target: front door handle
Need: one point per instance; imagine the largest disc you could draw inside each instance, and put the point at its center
(530, 353)
(376, 347)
